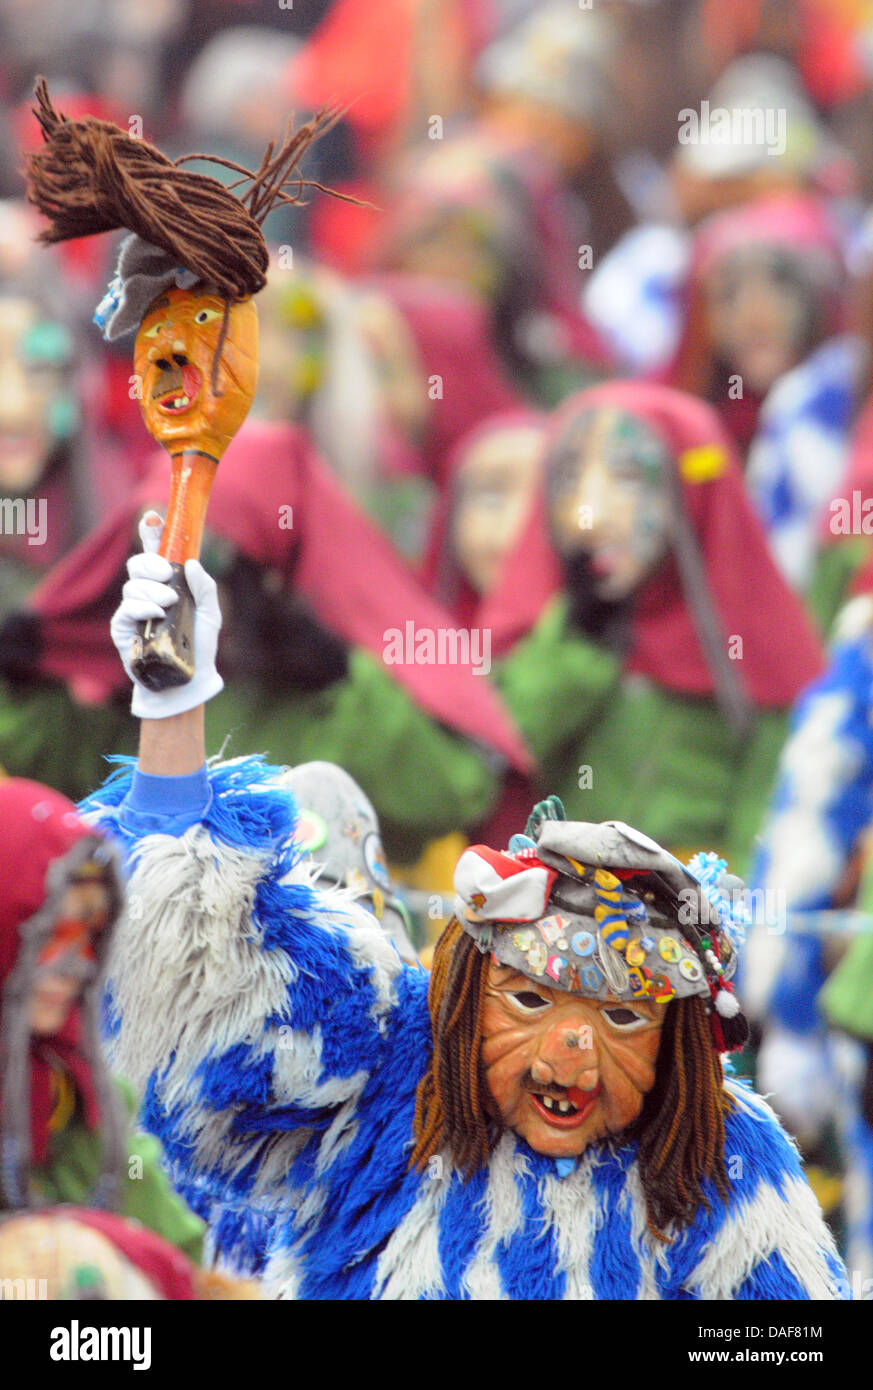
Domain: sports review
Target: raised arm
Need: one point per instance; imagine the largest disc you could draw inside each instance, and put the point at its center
(249, 1005)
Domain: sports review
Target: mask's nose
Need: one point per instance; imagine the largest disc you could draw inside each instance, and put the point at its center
(567, 1055)
(592, 499)
(168, 346)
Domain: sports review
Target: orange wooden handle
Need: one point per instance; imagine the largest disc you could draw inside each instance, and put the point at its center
(190, 485)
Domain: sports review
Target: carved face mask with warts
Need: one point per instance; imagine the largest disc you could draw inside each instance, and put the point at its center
(173, 359)
(563, 1070)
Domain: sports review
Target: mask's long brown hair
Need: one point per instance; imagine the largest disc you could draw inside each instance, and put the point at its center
(91, 176)
(680, 1131)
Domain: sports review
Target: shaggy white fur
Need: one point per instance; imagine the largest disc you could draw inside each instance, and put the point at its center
(792, 1226)
(504, 1218)
(409, 1266)
(196, 950)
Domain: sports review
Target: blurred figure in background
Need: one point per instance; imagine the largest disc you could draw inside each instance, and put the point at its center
(493, 479)
(650, 650)
(315, 602)
(764, 340)
(65, 1131)
(816, 1053)
(726, 155)
(58, 473)
(503, 205)
(418, 57)
(81, 1254)
(386, 373)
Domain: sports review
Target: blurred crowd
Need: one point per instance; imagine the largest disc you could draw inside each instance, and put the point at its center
(558, 475)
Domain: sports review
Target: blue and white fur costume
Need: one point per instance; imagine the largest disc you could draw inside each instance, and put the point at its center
(822, 806)
(278, 1041)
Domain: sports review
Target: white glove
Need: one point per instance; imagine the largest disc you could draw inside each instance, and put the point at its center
(148, 595)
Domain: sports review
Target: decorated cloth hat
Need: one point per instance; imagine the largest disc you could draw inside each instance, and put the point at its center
(605, 912)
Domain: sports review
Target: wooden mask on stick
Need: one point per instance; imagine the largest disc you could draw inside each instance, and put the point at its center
(186, 279)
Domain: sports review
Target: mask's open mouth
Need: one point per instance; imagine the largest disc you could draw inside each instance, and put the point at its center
(177, 389)
(566, 1111)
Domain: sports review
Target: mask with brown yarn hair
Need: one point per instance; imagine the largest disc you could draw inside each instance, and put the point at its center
(680, 1131)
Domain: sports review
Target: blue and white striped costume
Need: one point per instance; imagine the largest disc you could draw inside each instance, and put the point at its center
(822, 805)
(800, 452)
(278, 1041)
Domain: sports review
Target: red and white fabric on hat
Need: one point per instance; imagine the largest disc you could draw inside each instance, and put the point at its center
(492, 885)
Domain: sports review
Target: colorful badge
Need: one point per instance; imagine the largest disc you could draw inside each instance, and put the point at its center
(310, 831)
(638, 979)
(553, 928)
(583, 943)
(661, 990)
(690, 969)
(591, 978)
(374, 858)
(538, 957)
(634, 953)
(523, 940)
(554, 966)
(669, 949)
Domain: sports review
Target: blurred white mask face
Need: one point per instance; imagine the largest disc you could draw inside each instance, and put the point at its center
(496, 487)
(607, 498)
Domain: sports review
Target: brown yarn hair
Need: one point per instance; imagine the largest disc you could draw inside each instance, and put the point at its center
(452, 1097)
(680, 1131)
(91, 176)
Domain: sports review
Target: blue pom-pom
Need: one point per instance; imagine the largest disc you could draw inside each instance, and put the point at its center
(733, 911)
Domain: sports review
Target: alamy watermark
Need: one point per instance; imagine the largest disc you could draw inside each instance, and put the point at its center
(765, 126)
(24, 516)
(25, 1290)
(851, 516)
(444, 646)
(754, 907)
(77, 1343)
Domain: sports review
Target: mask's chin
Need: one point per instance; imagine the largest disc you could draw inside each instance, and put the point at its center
(597, 613)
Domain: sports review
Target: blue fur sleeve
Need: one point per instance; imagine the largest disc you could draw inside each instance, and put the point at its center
(250, 1006)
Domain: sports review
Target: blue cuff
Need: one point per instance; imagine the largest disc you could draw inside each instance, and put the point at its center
(165, 805)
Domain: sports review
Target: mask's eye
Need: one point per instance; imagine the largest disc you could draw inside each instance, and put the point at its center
(206, 315)
(527, 1002)
(625, 1020)
(153, 331)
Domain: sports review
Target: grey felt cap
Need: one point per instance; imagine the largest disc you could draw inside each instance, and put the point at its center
(141, 274)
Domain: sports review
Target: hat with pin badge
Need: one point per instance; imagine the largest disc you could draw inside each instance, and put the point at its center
(603, 911)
